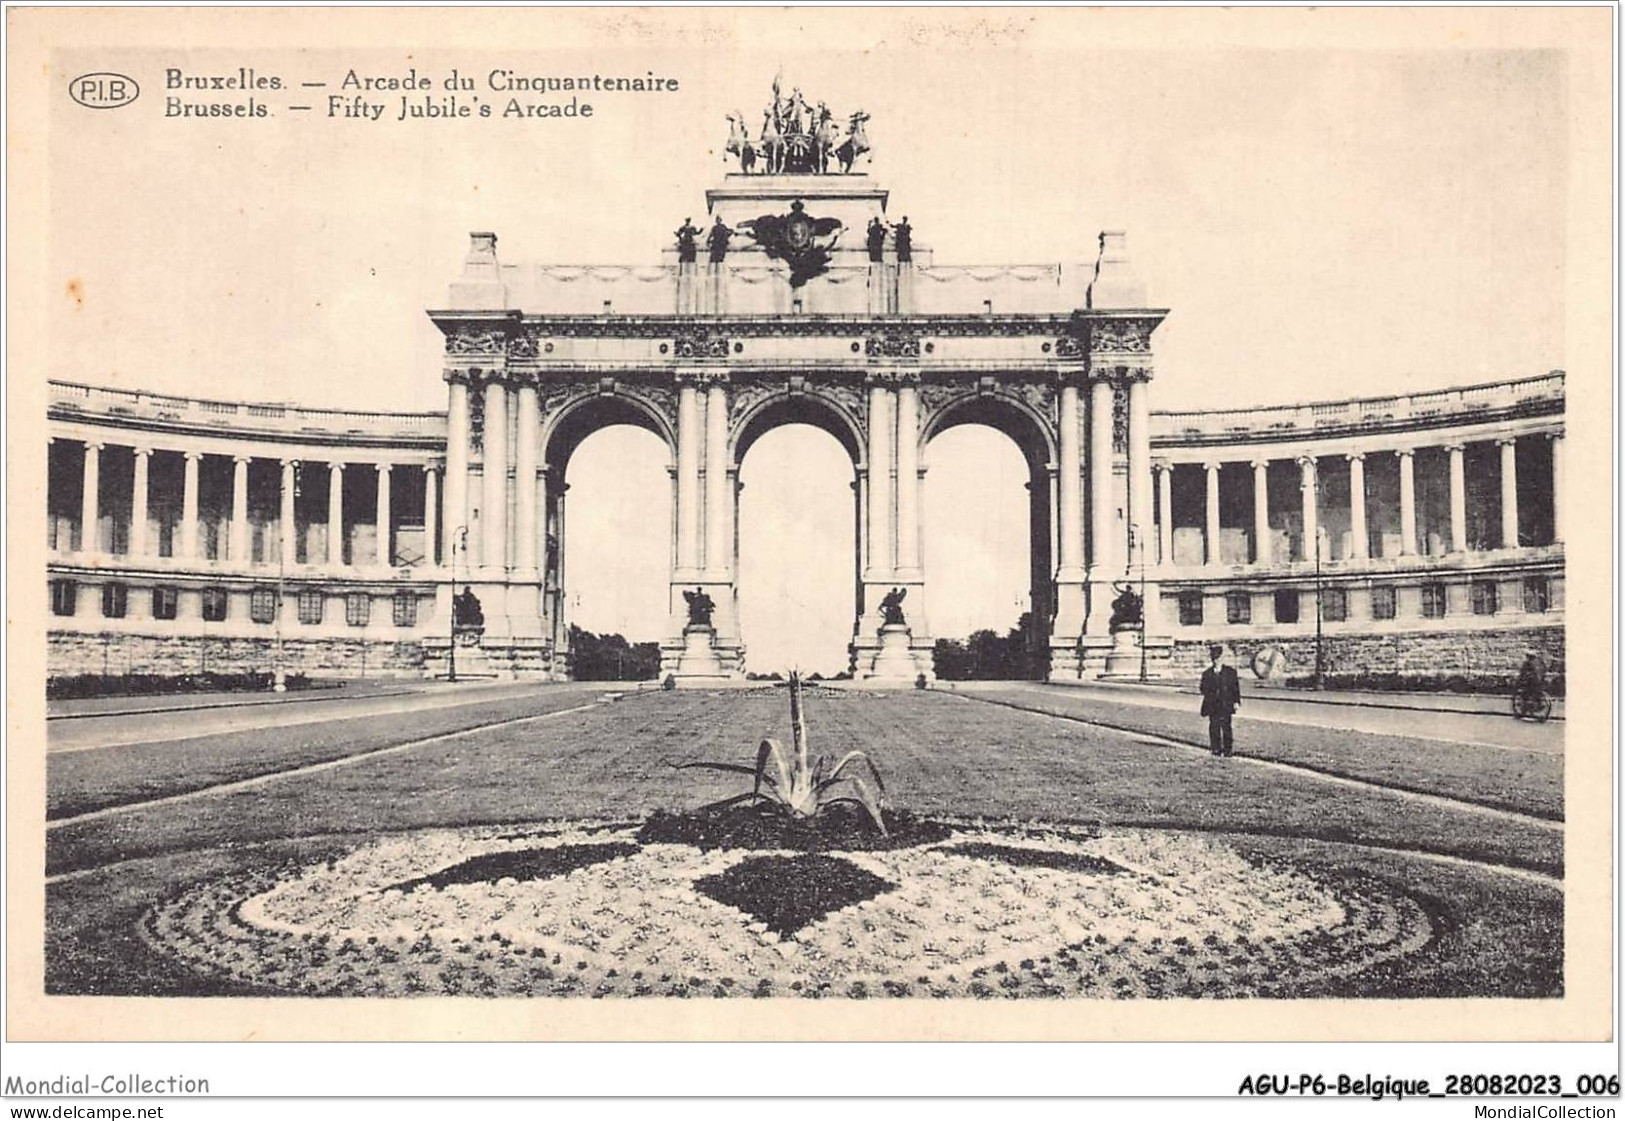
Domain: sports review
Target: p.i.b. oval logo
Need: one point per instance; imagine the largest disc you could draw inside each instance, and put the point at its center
(103, 90)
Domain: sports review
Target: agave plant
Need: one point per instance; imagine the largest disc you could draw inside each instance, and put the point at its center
(785, 781)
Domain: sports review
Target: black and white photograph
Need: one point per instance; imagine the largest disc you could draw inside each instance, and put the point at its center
(814, 524)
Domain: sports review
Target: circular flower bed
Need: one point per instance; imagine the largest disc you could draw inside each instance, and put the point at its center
(980, 911)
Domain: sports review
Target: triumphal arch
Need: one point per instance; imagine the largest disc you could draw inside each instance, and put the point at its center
(802, 295)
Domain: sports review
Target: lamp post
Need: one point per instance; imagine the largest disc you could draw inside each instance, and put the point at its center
(1320, 651)
(279, 672)
(459, 538)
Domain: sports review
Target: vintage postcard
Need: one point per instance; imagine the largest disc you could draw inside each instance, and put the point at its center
(698, 524)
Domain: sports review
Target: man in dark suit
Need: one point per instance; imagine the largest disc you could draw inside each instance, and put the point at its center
(1221, 696)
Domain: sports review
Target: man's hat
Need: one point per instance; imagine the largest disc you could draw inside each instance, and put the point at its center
(1215, 650)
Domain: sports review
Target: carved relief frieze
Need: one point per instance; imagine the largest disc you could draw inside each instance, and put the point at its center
(1039, 395)
(472, 340)
(659, 396)
(746, 393)
(935, 396)
(892, 343)
(779, 326)
(1121, 336)
(699, 342)
(476, 421)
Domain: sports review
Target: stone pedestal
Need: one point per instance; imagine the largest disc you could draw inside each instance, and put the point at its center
(472, 661)
(695, 657)
(1123, 659)
(891, 659)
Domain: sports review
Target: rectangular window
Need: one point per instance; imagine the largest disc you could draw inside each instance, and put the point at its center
(311, 604)
(357, 609)
(165, 603)
(214, 605)
(64, 597)
(1190, 609)
(1334, 605)
(1486, 598)
(262, 605)
(1433, 601)
(406, 609)
(1238, 607)
(115, 600)
(1383, 603)
(1286, 605)
(1537, 594)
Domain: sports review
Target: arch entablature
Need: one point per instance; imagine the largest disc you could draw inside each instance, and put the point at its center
(1023, 411)
(571, 414)
(835, 407)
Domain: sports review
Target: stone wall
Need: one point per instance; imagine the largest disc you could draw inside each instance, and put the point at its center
(1476, 652)
(71, 653)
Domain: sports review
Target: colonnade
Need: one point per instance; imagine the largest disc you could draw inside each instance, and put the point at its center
(1310, 501)
(237, 542)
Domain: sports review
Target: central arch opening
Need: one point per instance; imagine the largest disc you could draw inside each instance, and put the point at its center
(988, 544)
(797, 576)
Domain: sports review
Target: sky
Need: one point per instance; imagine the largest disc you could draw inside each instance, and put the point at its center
(1321, 223)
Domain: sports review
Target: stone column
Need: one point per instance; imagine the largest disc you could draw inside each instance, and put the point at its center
(385, 555)
(138, 504)
(1357, 530)
(494, 547)
(335, 513)
(1069, 574)
(1458, 499)
(1210, 524)
(880, 482)
(1165, 506)
(456, 461)
(287, 531)
(1407, 502)
(90, 513)
(1557, 486)
(688, 476)
(1261, 512)
(1509, 492)
(1139, 460)
(718, 534)
(1071, 484)
(529, 446)
(1307, 486)
(908, 477)
(189, 488)
(1102, 546)
(431, 515)
(239, 509)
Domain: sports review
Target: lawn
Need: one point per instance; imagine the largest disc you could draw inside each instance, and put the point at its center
(1529, 782)
(940, 755)
(80, 781)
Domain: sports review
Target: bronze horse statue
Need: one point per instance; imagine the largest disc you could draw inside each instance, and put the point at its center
(855, 144)
(739, 142)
